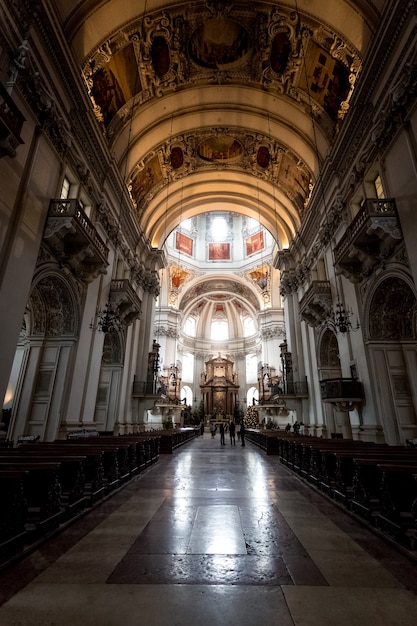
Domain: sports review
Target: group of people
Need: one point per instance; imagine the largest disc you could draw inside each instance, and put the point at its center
(298, 428)
(234, 429)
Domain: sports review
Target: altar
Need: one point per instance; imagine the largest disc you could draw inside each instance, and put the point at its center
(219, 389)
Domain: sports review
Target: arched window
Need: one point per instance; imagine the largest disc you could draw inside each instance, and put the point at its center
(219, 330)
(187, 395)
(251, 369)
(248, 326)
(252, 396)
(219, 229)
(190, 326)
(188, 367)
(329, 350)
(392, 311)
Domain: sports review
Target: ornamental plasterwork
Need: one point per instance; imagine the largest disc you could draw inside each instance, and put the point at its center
(227, 287)
(52, 309)
(289, 283)
(261, 277)
(36, 86)
(272, 332)
(166, 51)
(165, 331)
(112, 349)
(258, 156)
(392, 311)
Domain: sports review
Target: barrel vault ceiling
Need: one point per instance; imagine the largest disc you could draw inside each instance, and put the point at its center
(220, 105)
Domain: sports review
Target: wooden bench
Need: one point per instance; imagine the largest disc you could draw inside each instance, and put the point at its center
(95, 465)
(173, 439)
(398, 495)
(13, 512)
(71, 475)
(42, 493)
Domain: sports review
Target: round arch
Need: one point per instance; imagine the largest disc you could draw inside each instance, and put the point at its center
(54, 306)
(391, 308)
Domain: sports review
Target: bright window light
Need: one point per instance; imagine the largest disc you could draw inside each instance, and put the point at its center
(248, 327)
(190, 326)
(220, 330)
(219, 229)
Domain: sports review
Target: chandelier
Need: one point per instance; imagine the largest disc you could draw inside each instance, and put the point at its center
(107, 320)
(340, 319)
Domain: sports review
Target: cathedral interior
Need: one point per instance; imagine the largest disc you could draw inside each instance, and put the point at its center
(207, 213)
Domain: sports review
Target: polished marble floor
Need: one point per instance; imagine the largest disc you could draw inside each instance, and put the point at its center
(215, 535)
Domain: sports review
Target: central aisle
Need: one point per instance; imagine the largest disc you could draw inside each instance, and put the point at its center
(213, 535)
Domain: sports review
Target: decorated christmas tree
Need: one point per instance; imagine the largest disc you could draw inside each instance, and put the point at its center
(251, 419)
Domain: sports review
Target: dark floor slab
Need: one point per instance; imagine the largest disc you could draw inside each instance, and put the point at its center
(201, 570)
(304, 571)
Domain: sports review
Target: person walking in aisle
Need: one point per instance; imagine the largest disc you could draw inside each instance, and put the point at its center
(238, 431)
(242, 433)
(232, 429)
(222, 441)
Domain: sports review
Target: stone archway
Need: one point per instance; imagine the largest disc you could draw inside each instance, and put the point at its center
(43, 357)
(391, 338)
(106, 416)
(329, 367)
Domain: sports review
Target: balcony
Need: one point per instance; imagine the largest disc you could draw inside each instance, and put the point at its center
(11, 122)
(345, 393)
(142, 388)
(372, 237)
(126, 300)
(74, 241)
(316, 303)
(289, 389)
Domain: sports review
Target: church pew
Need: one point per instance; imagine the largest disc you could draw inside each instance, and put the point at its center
(398, 515)
(13, 512)
(337, 464)
(71, 475)
(42, 493)
(173, 439)
(147, 447)
(99, 466)
(366, 493)
(344, 466)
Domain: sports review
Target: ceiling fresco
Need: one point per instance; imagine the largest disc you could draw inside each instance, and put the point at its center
(219, 289)
(185, 90)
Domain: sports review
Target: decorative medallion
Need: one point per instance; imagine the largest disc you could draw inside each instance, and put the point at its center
(177, 158)
(280, 52)
(263, 157)
(222, 148)
(220, 44)
(161, 60)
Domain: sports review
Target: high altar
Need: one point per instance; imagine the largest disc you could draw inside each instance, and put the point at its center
(219, 388)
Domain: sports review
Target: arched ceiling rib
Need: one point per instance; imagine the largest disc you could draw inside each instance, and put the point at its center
(92, 20)
(256, 199)
(219, 285)
(220, 104)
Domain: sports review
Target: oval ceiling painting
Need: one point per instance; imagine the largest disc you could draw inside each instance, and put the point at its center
(160, 56)
(262, 157)
(220, 43)
(220, 148)
(177, 157)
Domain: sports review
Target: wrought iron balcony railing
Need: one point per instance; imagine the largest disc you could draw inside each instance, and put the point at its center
(297, 388)
(341, 390)
(148, 388)
(371, 238)
(74, 239)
